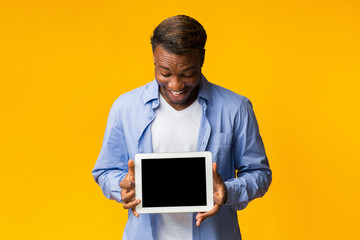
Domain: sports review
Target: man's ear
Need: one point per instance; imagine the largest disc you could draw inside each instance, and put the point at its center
(202, 59)
(154, 59)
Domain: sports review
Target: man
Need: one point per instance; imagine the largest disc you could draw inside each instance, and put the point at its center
(181, 111)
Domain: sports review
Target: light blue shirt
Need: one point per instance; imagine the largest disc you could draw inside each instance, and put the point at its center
(228, 129)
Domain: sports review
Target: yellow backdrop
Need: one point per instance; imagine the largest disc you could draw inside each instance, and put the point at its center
(64, 62)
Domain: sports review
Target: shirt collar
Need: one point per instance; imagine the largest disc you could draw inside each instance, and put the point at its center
(205, 91)
(152, 91)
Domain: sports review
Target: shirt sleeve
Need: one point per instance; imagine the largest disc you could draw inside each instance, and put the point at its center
(253, 173)
(111, 166)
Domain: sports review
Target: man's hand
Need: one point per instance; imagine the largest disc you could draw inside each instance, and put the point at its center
(220, 196)
(128, 189)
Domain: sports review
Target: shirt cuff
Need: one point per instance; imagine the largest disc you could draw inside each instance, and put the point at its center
(116, 193)
(233, 192)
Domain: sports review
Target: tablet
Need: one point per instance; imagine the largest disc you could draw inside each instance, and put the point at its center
(174, 182)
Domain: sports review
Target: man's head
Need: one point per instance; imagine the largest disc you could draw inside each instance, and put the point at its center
(178, 46)
(179, 35)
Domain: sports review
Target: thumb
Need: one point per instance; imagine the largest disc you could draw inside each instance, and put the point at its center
(215, 173)
(131, 166)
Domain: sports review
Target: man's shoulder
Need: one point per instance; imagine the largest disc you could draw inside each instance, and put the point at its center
(227, 97)
(134, 97)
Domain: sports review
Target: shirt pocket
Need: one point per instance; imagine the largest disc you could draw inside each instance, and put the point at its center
(220, 145)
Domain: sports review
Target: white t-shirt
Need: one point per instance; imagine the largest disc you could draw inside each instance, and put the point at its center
(175, 131)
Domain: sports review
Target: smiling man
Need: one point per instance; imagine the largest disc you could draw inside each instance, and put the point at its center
(180, 111)
(178, 76)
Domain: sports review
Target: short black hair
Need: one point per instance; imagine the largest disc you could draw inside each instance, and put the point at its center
(179, 35)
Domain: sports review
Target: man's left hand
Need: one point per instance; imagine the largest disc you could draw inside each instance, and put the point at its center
(220, 196)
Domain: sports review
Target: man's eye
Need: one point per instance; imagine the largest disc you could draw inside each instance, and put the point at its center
(165, 75)
(189, 75)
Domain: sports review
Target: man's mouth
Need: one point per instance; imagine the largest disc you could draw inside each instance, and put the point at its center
(177, 93)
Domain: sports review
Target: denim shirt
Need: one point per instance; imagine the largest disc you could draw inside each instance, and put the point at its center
(228, 129)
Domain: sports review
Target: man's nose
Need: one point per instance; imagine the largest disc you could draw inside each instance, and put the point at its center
(175, 84)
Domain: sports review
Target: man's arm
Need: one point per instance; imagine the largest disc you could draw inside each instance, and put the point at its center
(254, 175)
(112, 164)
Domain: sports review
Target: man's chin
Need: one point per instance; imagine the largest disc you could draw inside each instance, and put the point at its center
(178, 104)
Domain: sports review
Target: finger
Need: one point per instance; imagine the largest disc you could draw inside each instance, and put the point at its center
(210, 213)
(132, 204)
(127, 197)
(136, 214)
(218, 199)
(200, 217)
(215, 172)
(131, 166)
(126, 184)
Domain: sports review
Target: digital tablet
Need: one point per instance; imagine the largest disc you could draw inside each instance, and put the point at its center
(174, 182)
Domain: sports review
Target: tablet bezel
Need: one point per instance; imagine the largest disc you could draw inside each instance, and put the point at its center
(208, 176)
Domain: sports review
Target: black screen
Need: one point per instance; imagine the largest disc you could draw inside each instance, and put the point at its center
(175, 182)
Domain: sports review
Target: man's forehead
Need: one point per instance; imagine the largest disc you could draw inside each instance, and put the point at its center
(183, 70)
(168, 64)
(165, 58)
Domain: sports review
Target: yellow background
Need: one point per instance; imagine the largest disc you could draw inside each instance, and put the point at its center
(63, 63)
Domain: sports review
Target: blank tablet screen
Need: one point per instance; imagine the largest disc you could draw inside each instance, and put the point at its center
(174, 182)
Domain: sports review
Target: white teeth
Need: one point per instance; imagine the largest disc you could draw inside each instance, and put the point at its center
(177, 93)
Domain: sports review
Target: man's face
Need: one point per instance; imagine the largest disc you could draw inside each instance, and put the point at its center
(178, 76)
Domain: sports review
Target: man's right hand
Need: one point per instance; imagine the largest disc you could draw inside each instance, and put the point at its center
(128, 189)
